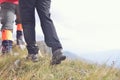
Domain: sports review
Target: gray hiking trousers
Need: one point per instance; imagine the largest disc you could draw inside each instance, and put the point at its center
(27, 9)
(7, 14)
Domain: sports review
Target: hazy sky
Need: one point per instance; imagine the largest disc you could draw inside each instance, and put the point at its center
(87, 25)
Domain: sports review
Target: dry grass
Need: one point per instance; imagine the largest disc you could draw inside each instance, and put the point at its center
(16, 67)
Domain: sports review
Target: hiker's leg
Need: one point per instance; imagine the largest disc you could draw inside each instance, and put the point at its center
(51, 38)
(27, 9)
(7, 13)
(19, 30)
(7, 21)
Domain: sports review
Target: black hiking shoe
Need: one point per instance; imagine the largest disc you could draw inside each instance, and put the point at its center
(57, 57)
(33, 57)
(6, 47)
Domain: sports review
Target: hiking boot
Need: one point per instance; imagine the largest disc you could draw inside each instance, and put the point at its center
(6, 49)
(6, 46)
(19, 37)
(20, 41)
(33, 57)
(57, 57)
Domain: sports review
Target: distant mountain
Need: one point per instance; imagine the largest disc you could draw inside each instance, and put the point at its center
(71, 55)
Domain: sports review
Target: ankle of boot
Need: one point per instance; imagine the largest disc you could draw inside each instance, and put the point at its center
(19, 34)
(57, 52)
(7, 43)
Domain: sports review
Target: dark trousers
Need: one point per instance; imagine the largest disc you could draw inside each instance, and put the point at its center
(27, 9)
